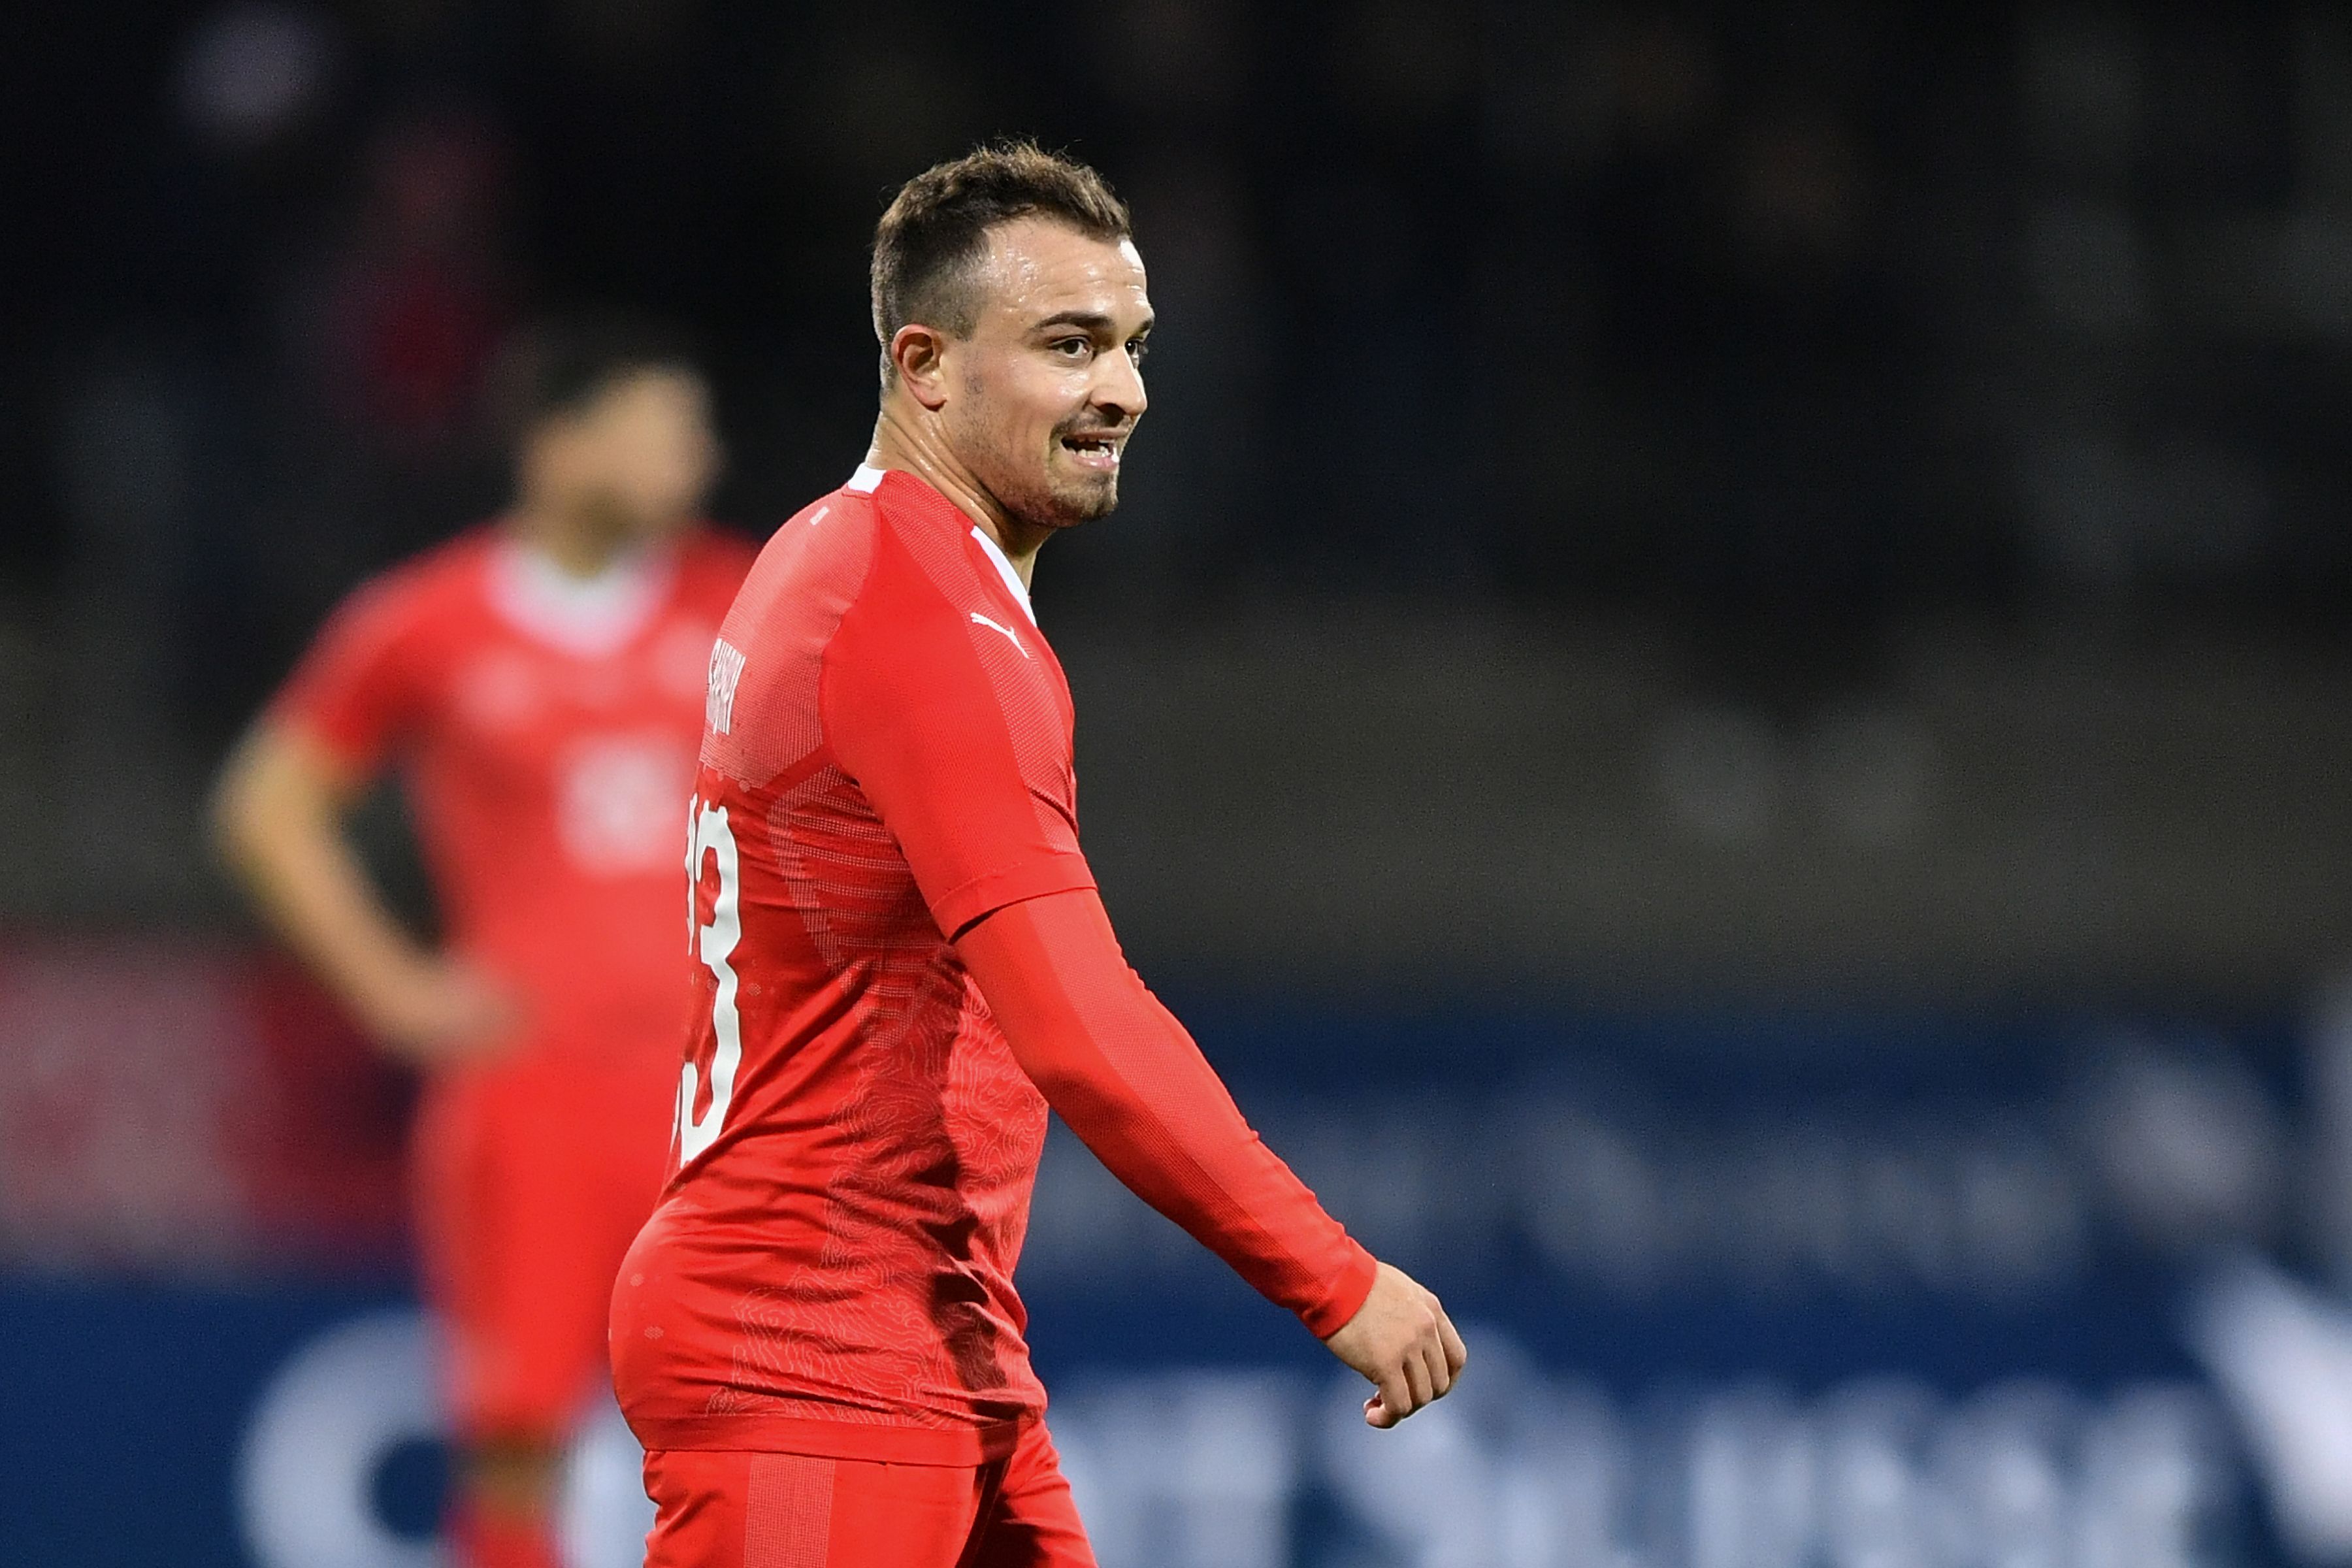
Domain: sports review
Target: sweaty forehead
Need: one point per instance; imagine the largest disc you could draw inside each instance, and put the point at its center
(1037, 268)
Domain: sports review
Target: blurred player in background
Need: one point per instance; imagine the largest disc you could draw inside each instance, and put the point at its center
(541, 680)
(901, 961)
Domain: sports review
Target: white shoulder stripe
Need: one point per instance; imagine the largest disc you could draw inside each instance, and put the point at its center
(868, 478)
(1005, 570)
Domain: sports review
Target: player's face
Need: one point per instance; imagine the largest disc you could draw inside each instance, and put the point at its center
(1049, 385)
(644, 454)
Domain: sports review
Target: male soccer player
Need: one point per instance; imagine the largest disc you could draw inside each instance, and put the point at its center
(542, 679)
(901, 961)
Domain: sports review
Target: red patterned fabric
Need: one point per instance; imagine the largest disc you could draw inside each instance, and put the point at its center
(796, 1510)
(888, 760)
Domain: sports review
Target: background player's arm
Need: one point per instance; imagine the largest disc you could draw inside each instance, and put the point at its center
(1131, 1083)
(278, 817)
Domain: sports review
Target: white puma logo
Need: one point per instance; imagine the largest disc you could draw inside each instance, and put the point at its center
(992, 626)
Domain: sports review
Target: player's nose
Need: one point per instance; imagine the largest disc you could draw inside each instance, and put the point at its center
(1119, 389)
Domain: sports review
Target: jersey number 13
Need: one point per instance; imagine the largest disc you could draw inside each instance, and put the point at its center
(714, 942)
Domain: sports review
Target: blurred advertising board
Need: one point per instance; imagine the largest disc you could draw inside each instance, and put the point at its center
(182, 1107)
(1743, 1291)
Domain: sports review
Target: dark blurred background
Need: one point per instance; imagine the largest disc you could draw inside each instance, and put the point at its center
(1818, 495)
(1728, 648)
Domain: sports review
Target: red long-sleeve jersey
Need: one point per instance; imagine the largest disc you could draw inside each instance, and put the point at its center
(895, 947)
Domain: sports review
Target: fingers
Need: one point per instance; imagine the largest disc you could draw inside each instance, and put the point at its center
(1403, 1342)
(1440, 1375)
(1417, 1377)
(1457, 1354)
(1422, 1376)
(1393, 1402)
(1438, 1350)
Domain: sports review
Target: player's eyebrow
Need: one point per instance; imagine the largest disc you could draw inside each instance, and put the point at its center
(1090, 321)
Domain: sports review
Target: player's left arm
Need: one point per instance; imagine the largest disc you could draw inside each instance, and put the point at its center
(1131, 1083)
(965, 783)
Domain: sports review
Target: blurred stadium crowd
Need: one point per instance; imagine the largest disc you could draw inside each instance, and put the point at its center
(1799, 322)
(1805, 352)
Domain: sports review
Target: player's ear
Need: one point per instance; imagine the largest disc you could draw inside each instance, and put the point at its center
(919, 353)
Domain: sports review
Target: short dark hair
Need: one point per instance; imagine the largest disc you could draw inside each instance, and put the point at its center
(930, 242)
(559, 365)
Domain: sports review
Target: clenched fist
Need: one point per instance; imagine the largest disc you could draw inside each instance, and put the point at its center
(1402, 1340)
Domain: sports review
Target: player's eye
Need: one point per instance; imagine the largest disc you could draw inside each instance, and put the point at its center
(1072, 348)
(1137, 348)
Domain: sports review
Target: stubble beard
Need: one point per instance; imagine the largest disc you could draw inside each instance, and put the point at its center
(1082, 500)
(1084, 503)
(1056, 507)
(1040, 498)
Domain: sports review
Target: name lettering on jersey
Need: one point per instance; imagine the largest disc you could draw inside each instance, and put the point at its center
(726, 669)
(993, 626)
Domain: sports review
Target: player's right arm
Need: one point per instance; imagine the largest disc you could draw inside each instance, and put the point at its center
(278, 816)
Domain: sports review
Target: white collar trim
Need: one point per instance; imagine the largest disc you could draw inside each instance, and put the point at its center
(586, 616)
(868, 478)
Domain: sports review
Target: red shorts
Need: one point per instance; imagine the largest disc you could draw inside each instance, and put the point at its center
(532, 1180)
(724, 1508)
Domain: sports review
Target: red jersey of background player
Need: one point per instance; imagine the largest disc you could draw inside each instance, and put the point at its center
(887, 759)
(549, 726)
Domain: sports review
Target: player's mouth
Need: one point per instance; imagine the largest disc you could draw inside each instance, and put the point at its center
(1095, 451)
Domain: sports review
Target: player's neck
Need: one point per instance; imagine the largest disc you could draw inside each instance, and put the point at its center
(913, 447)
